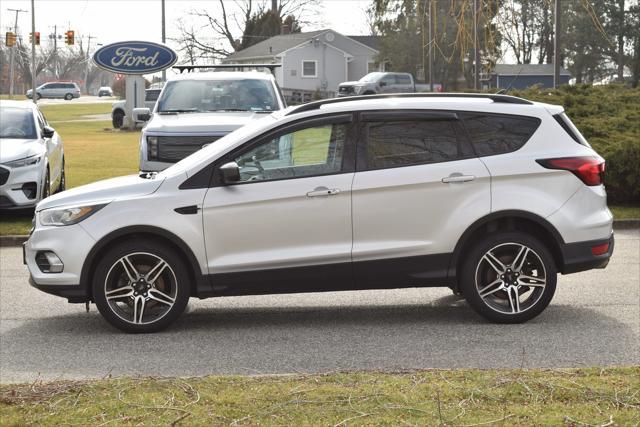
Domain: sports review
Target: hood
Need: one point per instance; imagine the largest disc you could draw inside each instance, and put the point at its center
(15, 149)
(201, 122)
(123, 187)
(354, 83)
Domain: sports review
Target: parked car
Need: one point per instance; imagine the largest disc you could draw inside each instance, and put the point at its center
(490, 195)
(118, 108)
(65, 90)
(378, 82)
(105, 91)
(31, 156)
(196, 109)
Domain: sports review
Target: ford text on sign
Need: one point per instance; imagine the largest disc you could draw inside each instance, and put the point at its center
(135, 57)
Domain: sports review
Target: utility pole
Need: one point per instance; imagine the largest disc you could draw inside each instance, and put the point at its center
(86, 71)
(33, 53)
(430, 47)
(476, 51)
(556, 45)
(164, 39)
(12, 54)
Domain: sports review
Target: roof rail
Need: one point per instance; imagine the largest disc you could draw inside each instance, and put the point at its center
(507, 99)
(236, 67)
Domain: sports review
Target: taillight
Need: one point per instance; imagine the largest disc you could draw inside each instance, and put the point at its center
(600, 249)
(590, 170)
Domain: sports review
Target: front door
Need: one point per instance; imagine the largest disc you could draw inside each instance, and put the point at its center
(286, 226)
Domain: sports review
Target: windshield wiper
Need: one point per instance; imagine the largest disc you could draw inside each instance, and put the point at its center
(178, 110)
(230, 109)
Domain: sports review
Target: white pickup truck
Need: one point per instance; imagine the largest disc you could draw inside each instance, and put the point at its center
(379, 82)
(195, 109)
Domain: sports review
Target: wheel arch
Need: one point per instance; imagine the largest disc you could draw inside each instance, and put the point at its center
(508, 220)
(199, 283)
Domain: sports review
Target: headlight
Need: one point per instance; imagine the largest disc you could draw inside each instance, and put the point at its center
(33, 160)
(152, 147)
(68, 216)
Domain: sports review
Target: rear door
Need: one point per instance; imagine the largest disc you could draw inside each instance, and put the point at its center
(417, 187)
(287, 224)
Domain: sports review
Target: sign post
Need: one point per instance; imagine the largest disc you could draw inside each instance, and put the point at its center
(134, 58)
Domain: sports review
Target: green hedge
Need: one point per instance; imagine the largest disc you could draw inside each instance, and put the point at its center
(609, 117)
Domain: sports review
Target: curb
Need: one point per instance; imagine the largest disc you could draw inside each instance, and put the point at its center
(618, 224)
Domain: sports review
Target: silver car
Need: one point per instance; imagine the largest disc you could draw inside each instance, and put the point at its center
(31, 156)
(65, 90)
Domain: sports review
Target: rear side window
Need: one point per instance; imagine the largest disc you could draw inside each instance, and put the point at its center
(413, 142)
(493, 134)
(568, 126)
(152, 95)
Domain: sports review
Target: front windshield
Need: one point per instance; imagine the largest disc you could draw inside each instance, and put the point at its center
(17, 123)
(182, 96)
(371, 77)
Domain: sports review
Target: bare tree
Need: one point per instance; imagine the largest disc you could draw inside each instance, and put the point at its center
(217, 33)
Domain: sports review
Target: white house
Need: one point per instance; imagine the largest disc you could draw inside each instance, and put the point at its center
(317, 60)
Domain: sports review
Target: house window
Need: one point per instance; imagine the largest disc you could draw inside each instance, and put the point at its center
(371, 67)
(309, 68)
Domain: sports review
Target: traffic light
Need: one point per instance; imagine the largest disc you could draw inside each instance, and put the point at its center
(10, 38)
(69, 37)
(37, 38)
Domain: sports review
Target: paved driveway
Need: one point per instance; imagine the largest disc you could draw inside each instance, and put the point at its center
(594, 319)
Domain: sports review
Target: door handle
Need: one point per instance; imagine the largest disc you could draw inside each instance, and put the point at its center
(323, 192)
(457, 178)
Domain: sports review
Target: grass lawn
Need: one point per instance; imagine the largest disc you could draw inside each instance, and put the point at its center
(461, 397)
(93, 151)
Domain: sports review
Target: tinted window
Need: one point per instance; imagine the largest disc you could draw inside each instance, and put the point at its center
(17, 123)
(412, 142)
(307, 152)
(69, 86)
(493, 134)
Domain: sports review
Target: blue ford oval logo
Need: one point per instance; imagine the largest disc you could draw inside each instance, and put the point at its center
(134, 57)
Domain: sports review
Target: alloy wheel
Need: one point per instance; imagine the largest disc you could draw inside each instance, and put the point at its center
(510, 278)
(141, 288)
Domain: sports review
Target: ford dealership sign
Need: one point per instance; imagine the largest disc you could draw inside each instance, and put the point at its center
(135, 57)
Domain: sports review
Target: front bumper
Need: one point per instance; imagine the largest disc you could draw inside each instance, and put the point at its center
(578, 256)
(20, 185)
(71, 244)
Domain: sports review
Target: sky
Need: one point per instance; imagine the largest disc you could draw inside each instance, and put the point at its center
(117, 20)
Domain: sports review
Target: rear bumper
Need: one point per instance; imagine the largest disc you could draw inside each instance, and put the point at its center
(578, 257)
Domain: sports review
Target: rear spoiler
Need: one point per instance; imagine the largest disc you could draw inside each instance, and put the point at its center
(233, 67)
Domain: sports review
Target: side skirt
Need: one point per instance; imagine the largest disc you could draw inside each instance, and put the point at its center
(420, 271)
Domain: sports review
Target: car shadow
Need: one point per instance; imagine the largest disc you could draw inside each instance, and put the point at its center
(443, 333)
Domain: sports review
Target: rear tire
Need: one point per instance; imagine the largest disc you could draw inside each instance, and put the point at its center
(508, 277)
(141, 286)
(68, 97)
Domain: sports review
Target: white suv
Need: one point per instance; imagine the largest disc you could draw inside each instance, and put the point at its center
(490, 195)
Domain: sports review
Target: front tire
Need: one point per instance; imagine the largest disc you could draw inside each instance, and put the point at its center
(509, 277)
(117, 119)
(141, 286)
(46, 185)
(63, 180)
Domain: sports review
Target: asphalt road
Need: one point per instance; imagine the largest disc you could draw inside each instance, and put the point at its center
(594, 319)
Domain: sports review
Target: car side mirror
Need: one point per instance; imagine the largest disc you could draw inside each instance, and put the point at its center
(230, 173)
(48, 131)
(141, 114)
(383, 84)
